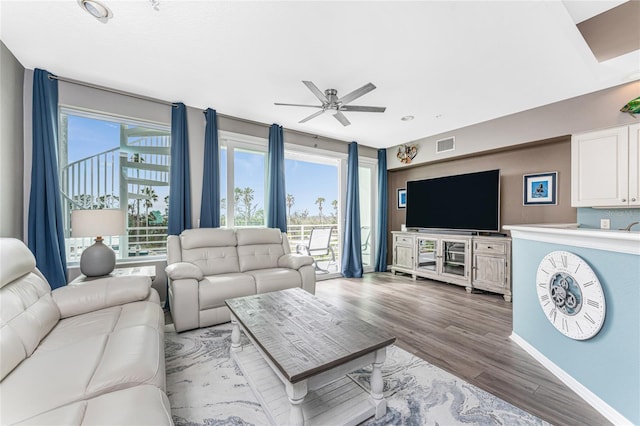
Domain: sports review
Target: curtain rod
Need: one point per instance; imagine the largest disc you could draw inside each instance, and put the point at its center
(107, 89)
(160, 101)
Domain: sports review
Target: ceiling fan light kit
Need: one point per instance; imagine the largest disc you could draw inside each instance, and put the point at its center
(332, 103)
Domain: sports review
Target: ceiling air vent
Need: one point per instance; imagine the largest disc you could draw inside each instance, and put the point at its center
(444, 145)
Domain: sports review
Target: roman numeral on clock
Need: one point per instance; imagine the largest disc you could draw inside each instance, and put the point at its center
(588, 318)
(593, 303)
(552, 314)
(565, 324)
(545, 299)
(579, 328)
(564, 260)
(577, 268)
(542, 285)
(590, 283)
(552, 261)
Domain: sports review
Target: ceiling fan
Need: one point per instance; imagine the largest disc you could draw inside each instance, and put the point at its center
(331, 102)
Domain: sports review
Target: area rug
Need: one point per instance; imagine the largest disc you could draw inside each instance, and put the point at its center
(205, 387)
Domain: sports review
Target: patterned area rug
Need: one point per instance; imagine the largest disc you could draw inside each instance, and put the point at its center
(205, 387)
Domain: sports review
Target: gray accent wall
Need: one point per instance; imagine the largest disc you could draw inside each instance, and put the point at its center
(11, 145)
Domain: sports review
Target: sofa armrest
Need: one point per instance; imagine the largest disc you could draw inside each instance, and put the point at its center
(76, 299)
(183, 271)
(294, 261)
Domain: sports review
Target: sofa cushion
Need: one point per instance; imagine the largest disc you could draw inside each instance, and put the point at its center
(213, 260)
(16, 260)
(89, 355)
(259, 256)
(27, 314)
(215, 289)
(140, 405)
(104, 321)
(207, 237)
(250, 236)
(274, 279)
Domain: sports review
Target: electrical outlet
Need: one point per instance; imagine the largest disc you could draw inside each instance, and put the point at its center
(605, 223)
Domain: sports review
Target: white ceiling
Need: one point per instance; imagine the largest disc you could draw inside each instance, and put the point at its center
(449, 63)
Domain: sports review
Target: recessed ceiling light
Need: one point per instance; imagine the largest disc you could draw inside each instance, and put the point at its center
(407, 118)
(96, 9)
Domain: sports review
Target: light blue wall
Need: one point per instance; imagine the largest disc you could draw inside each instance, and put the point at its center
(620, 218)
(609, 363)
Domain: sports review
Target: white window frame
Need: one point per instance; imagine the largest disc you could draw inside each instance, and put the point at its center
(120, 119)
(231, 141)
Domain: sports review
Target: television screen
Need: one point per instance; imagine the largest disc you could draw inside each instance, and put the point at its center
(469, 202)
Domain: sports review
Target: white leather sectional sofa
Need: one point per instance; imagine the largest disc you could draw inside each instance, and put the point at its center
(206, 266)
(82, 354)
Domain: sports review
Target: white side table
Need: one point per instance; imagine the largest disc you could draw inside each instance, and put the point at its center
(148, 271)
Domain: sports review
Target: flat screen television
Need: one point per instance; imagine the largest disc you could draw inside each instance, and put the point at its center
(467, 202)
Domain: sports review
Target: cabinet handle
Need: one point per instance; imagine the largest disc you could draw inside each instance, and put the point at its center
(633, 199)
(624, 200)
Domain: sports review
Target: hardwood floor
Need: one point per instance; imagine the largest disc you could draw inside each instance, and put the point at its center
(465, 334)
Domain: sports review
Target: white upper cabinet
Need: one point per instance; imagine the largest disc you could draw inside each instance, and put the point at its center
(604, 168)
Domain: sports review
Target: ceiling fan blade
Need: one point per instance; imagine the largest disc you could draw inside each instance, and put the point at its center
(357, 93)
(341, 118)
(316, 91)
(314, 115)
(362, 108)
(298, 105)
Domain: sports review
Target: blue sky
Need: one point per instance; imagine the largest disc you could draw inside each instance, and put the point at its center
(306, 181)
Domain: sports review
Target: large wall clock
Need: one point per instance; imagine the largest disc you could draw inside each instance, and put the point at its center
(570, 295)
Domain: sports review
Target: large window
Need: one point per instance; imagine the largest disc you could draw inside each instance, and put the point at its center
(367, 179)
(315, 182)
(242, 180)
(313, 201)
(108, 162)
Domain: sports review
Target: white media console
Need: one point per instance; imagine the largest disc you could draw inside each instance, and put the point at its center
(473, 262)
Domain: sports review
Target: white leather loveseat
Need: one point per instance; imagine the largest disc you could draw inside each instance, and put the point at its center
(82, 354)
(206, 266)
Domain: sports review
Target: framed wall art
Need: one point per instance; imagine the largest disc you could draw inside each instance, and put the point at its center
(402, 198)
(540, 189)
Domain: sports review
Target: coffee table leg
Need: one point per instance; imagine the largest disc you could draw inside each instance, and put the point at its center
(296, 393)
(235, 335)
(377, 384)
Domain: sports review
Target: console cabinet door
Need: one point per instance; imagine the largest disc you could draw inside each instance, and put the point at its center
(489, 272)
(403, 257)
(491, 269)
(600, 168)
(427, 255)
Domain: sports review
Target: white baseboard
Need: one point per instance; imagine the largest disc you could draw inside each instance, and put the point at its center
(592, 399)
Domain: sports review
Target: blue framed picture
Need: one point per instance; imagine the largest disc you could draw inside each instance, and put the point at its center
(402, 198)
(540, 189)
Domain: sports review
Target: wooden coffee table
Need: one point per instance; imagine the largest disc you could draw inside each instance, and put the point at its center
(303, 348)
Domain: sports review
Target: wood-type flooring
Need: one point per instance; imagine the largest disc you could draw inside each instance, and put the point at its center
(464, 334)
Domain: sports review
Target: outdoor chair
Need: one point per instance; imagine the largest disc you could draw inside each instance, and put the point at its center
(365, 234)
(318, 245)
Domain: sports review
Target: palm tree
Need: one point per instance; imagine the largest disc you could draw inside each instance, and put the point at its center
(150, 198)
(290, 202)
(244, 203)
(334, 204)
(319, 202)
(107, 201)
